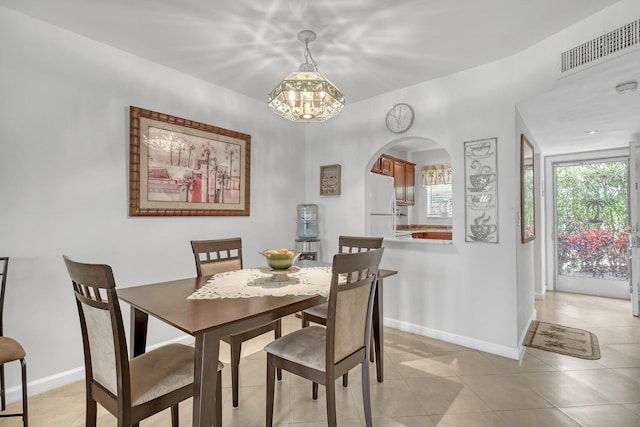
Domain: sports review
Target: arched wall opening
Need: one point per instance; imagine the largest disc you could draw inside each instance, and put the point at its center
(422, 152)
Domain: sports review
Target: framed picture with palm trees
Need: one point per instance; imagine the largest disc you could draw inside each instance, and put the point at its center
(179, 167)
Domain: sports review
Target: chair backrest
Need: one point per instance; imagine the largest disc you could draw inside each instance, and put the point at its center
(105, 347)
(350, 306)
(351, 244)
(217, 256)
(3, 279)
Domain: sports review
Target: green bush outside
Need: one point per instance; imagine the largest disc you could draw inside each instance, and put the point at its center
(591, 209)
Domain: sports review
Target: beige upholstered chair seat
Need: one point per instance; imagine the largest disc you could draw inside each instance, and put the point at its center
(318, 311)
(305, 347)
(10, 350)
(161, 371)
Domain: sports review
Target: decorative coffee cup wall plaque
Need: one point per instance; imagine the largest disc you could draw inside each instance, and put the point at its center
(481, 190)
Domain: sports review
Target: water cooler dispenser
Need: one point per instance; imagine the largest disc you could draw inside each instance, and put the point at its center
(307, 242)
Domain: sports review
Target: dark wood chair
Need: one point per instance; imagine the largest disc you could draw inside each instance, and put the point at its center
(130, 389)
(11, 351)
(218, 256)
(346, 244)
(324, 354)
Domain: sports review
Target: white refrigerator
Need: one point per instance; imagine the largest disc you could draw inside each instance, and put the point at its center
(382, 206)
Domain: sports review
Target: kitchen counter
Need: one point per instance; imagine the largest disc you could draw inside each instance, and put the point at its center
(424, 231)
(423, 227)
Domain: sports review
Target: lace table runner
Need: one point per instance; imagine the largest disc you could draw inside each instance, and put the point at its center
(256, 282)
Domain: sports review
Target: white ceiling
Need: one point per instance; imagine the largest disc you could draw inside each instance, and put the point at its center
(587, 101)
(365, 47)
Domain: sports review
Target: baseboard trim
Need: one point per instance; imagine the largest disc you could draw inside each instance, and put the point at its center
(523, 332)
(42, 385)
(500, 350)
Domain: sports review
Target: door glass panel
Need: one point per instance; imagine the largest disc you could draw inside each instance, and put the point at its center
(591, 220)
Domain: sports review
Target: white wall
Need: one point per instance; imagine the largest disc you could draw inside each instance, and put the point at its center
(64, 133)
(443, 291)
(527, 254)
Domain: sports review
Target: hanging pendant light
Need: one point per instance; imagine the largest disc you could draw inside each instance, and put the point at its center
(306, 95)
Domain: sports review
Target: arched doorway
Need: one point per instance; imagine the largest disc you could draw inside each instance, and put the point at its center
(429, 206)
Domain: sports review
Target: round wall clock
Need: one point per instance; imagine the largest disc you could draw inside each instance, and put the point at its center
(400, 118)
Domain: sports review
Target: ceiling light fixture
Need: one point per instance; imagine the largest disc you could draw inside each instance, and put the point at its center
(306, 95)
(592, 132)
(627, 87)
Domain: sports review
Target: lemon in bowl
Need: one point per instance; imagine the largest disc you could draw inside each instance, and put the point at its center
(281, 259)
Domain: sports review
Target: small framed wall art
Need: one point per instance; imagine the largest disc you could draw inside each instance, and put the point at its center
(330, 180)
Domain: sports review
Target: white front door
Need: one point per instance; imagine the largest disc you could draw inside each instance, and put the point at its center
(591, 226)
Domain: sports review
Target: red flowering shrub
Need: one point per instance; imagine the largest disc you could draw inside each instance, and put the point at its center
(598, 252)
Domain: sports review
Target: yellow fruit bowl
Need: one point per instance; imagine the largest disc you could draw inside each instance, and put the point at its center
(281, 259)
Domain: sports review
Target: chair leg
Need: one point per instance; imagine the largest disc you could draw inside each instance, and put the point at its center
(314, 391)
(331, 403)
(270, 390)
(366, 394)
(278, 334)
(25, 412)
(91, 409)
(2, 398)
(174, 416)
(219, 401)
(236, 349)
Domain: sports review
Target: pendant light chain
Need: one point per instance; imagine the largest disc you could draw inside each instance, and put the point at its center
(307, 55)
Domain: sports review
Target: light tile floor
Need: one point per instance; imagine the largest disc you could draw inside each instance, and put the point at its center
(434, 383)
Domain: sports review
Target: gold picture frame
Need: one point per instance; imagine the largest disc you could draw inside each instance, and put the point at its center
(180, 167)
(330, 180)
(527, 191)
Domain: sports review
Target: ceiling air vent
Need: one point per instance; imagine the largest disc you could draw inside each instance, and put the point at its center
(601, 47)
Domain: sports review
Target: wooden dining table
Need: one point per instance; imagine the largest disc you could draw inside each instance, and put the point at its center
(207, 320)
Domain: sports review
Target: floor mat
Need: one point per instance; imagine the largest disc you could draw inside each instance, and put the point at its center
(562, 339)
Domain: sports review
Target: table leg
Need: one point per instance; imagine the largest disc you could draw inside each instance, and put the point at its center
(378, 335)
(139, 321)
(207, 351)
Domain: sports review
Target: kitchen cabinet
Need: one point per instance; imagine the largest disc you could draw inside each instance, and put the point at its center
(376, 166)
(410, 184)
(386, 166)
(404, 177)
(404, 181)
(383, 166)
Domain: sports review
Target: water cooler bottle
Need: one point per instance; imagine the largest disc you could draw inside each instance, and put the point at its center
(307, 242)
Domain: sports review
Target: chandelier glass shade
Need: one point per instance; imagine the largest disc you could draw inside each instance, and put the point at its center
(165, 139)
(306, 95)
